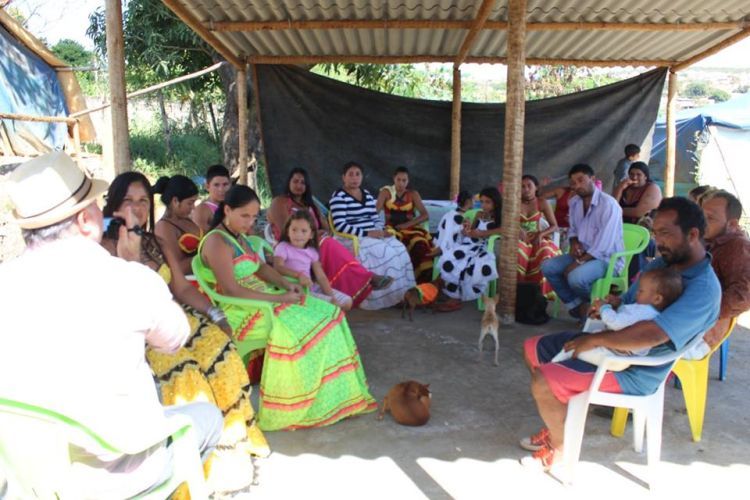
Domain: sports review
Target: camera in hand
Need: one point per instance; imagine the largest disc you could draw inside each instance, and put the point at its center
(112, 227)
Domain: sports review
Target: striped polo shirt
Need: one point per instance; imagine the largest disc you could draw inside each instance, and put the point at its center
(352, 216)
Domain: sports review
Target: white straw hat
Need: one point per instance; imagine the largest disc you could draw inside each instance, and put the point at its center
(49, 189)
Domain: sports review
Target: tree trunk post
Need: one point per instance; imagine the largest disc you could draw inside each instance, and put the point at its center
(455, 179)
(671, 135)
(513, 159)
(242, 123)
(116, 67)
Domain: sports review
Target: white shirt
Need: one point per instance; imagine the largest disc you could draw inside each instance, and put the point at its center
(73, 331)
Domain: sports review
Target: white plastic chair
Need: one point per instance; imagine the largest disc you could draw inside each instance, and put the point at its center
(647, 410)
(35, 452)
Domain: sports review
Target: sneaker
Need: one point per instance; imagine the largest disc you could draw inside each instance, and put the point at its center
(537, 441)
(542, 459)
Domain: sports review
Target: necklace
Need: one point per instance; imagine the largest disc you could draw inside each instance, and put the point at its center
(236, 236)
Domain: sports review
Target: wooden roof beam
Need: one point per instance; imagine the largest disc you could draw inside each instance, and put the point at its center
(713, 50)
(484, 12)
(448, 59)
(203, 32)
(356, 24)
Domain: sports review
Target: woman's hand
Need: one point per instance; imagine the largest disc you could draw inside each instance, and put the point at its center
(626, 183)
(128, 241)
(294, 287)
(291, 297)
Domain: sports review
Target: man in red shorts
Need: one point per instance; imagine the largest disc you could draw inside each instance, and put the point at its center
(679, 227)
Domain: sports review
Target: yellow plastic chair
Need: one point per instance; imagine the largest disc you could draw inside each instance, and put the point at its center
(354, 239)
(693, 375)
(36, 455)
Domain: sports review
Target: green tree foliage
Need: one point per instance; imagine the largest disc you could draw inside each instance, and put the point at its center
(72, 53)
(552, 81)
(406, 80)
(719, 95)
(696, 89)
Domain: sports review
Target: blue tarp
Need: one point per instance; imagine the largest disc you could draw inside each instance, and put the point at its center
(28, 85)
(692, 129)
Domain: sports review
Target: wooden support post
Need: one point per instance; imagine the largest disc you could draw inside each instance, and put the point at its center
(116, 65)
(455, 179)
(242, 123)
(259, 123)
(77, 138)
(671, 135)
(513, 159)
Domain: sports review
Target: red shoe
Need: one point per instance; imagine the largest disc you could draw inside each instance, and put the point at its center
(537, 441)
(542, 459)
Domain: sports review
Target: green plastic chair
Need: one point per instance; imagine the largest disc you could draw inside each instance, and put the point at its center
(636, 239)
(260, 246)
(35, 452)
(207, 282)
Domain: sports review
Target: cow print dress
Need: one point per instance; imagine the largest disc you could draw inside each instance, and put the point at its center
(466, 267)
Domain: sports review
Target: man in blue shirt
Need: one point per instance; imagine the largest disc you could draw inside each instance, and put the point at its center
(595, 234)
(678, 228)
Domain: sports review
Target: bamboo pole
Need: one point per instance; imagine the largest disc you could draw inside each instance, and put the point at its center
(259, 120)
(77, 138)
(241, 84)
(152, 88)
(428, 58)
(484, 12)
(455, 178)
(403, 24)
(671, 135)
(204, 33)
(713, 50)
(513, 159)
(35, 118)
(116, 65)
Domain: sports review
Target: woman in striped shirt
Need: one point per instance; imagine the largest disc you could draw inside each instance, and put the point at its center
(353, 212)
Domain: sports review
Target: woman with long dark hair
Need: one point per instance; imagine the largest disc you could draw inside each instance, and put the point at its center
(638, 195)
(176, 229)
(208, 367)
(343, 270)
(312, 374)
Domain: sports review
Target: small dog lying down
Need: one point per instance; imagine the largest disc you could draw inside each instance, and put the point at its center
(408, 402)
(420, 295)
(490, 324)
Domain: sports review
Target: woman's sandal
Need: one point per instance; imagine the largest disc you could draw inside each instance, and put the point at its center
(380, 282)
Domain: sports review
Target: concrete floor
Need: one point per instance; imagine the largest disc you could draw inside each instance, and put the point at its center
(479, 411)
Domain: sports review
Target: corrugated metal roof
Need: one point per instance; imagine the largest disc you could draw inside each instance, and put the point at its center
(437, 43)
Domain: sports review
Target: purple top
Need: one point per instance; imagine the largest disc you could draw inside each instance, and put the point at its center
(297, 259)
(599, 230)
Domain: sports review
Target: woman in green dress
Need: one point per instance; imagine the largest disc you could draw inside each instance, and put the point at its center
(312, 374)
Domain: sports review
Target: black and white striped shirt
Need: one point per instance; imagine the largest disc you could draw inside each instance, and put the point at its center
(352, 216)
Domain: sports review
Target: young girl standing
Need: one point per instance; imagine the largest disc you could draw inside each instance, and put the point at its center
(297, 254)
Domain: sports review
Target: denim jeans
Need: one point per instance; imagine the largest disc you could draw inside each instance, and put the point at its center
(576, 288)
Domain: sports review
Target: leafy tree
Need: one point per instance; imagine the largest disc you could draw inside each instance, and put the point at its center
(552, 81)
(696, 89)
(719, 95)
(72, 53)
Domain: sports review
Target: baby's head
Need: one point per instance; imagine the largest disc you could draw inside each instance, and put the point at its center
(659, 287)
(300, 231)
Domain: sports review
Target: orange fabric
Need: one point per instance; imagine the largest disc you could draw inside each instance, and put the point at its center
(429, 292)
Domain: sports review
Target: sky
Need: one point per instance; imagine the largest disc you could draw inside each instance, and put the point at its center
(59, 19)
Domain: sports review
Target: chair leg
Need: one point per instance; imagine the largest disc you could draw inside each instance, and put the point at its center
(619, 421)
(639, 426)
(575, 423)
(723, 360)
(694, 375)
(654, 423)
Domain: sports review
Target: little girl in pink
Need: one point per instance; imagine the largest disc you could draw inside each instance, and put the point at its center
(296, 255)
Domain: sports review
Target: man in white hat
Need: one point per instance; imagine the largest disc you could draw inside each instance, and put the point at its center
(74, 326)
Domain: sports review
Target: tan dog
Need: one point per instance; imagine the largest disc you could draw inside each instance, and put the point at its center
(408, 402)
(490, 324)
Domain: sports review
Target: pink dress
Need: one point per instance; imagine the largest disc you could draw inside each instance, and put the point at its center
(342, 269)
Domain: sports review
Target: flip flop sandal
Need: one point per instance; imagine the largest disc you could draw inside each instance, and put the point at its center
(382, 282)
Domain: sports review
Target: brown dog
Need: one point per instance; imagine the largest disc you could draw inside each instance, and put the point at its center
(408, 402)
(420, 295)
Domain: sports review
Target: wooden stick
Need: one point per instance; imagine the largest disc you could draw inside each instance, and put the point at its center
(671, 152)
(713, 50)
(77, 138)
(152, 88)
(33, 118)
(242, 123)
(484, 12)
(513, 159)
(403, 24)
(116, 66)
(413, 59)
(256, 102)
(455, 176)
(204, 33)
